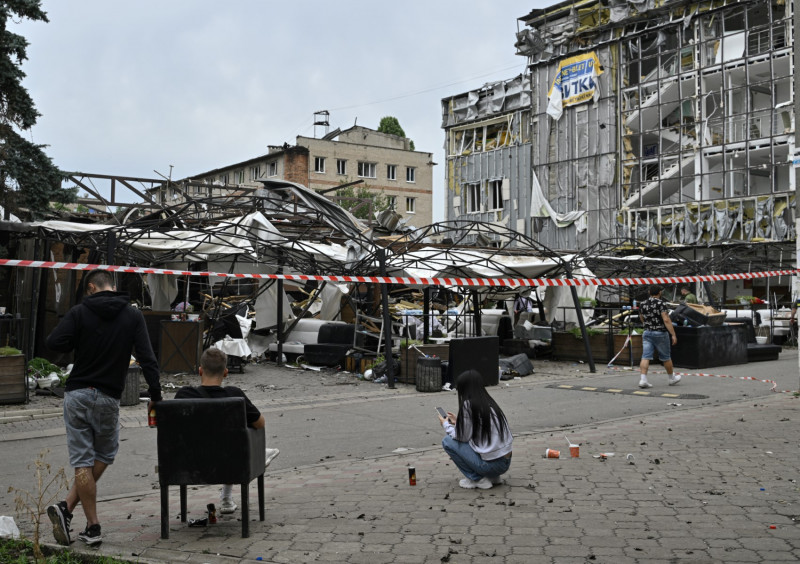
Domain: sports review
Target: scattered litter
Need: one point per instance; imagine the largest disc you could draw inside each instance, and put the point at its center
(603, 455)
(773, 527)
(768, 452)
(629, 457)
(401, 449)
(446, 387)
(675, 404)
(8, 528)
(314, 368)
(381, 380)
(198, 522)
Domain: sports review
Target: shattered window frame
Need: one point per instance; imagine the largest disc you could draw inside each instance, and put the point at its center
(472, 195)
(272, 168)
(495, 189)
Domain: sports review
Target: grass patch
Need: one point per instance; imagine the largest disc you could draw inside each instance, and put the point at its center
(21, 552)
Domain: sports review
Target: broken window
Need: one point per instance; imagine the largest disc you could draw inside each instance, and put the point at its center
(272, 168)
(473, 196)
(255, 172)
(495, 195)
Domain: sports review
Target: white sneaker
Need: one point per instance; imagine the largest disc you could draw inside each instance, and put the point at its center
(674, 379)
(227, 506)
(483, 484)
(271, 453)
(643, 383)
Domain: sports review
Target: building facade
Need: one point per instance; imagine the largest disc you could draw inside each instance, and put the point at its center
(669, 122)
(383, 163)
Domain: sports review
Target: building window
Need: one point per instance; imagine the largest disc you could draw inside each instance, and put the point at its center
(319, 164)
(391, 202)
(272, 168)
(223, 178)
(473, 198)
(411, 174)
(239, 176)
(255, 172)
(411, 205)
(341, 166)
(391, 172)
(366, 170)
(496, 194)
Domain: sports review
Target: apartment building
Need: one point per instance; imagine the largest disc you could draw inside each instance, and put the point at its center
(384, 163)
(670, 122)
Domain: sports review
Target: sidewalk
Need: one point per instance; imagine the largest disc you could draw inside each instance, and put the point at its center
(705, 484)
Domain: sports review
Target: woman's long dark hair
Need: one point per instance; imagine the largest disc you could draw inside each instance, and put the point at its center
(481, 406)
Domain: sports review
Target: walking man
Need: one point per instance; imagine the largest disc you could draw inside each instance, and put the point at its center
(658, 331)
(103, 330)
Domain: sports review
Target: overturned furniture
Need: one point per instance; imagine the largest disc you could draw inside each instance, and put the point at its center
(208, 441)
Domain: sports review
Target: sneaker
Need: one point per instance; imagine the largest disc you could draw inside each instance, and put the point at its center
(61, 519)
(271, 454)
(643, 383)
(91, 535)
(227, 506)
(483, 484)
(674, 379)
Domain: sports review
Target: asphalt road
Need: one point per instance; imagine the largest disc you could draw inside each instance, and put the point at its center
(315, 417)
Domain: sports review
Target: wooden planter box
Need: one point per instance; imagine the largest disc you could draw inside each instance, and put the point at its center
(567, 347)
(409, 356)
(13, 387)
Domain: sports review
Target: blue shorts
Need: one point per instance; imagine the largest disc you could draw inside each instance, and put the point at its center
(656, 340)
(92, 421)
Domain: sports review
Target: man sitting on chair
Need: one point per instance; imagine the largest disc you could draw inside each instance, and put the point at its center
(213, 370)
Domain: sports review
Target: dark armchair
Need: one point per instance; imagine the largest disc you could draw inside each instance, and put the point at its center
(208, 441)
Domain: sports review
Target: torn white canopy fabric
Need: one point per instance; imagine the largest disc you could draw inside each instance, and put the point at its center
(540, 207)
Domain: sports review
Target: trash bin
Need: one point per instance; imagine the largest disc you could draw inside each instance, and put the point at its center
(130, 393)
(429, 374)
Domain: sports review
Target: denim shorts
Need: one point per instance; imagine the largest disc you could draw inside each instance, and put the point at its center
(656, 340)
(92, 421)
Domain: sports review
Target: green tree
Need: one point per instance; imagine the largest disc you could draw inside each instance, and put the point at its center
(391, 125)
(350, 199)
(28, 178)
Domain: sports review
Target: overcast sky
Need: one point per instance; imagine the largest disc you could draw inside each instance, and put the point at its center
(127, 88)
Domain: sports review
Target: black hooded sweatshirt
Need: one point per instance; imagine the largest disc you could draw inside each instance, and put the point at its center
(103, 330)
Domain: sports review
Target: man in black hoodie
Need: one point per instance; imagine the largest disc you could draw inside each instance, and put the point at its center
(103, 330)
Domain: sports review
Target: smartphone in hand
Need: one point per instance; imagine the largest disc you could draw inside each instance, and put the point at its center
(441, 412)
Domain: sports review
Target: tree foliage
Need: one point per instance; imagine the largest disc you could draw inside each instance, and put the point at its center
(391, 125)
(351, 197)
(28, 178)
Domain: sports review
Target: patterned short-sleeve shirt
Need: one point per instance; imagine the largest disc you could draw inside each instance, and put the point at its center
(651, 310)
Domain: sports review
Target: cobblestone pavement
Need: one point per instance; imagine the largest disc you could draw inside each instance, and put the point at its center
(707, 484)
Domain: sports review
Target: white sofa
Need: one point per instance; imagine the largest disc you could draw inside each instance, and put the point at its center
(304, 333)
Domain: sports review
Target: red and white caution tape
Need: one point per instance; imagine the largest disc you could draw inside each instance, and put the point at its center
(409, 280)
(773, 383)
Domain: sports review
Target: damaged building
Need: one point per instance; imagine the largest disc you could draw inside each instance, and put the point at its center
(383, 163)
(671, 123)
